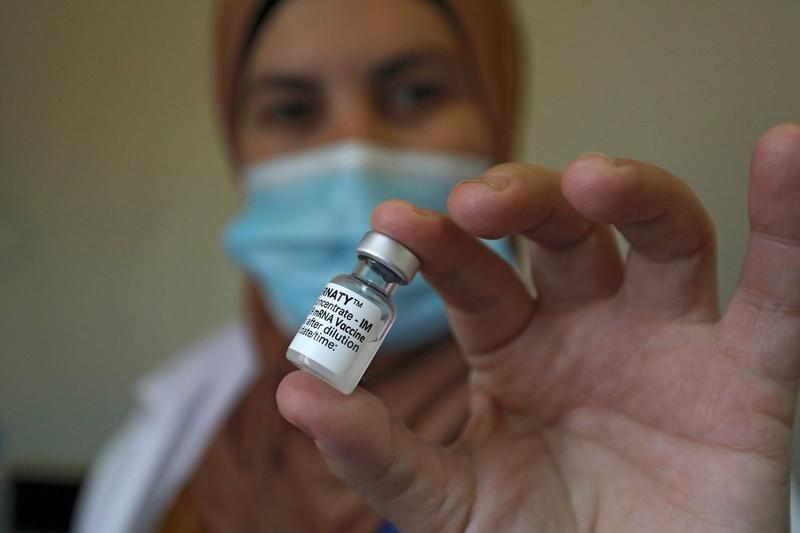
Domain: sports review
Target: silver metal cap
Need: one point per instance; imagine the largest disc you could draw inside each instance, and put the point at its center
(390, 254)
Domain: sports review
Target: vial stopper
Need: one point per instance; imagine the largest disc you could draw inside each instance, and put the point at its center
(389, 253)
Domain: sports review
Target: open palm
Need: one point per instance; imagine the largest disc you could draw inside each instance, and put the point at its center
(616, 398)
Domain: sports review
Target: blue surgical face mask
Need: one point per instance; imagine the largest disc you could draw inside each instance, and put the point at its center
(302, 217)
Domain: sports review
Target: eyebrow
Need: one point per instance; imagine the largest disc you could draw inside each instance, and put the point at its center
(283, 82)
(382, 73)
(398, 65)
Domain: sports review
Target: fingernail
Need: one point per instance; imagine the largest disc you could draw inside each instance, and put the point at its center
(421, 211)
(599, 154)
(496, 183)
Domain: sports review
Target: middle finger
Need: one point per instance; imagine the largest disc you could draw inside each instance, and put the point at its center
(573, 261)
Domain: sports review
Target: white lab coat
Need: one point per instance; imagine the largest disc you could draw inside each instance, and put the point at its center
(178, 409)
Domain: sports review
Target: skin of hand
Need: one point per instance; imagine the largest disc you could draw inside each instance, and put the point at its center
(616, 399)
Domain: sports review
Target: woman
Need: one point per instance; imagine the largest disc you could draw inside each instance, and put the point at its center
(617, 399)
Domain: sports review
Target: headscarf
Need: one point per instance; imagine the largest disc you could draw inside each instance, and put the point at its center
(488, 26)
(259, 473)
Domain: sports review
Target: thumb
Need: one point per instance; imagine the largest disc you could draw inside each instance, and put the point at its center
(411, 483)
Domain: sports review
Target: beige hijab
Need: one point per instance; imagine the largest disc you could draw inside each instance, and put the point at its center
(261, 474)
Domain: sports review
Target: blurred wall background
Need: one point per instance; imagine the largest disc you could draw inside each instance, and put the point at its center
(113, 189)
(113, 184)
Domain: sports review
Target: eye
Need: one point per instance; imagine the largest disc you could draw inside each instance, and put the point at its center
(416, 93)
(409, 98)
(288, 112)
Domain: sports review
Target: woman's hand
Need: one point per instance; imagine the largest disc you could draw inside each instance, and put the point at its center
(617, 399)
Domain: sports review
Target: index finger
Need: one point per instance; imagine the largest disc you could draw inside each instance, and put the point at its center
(487, 302)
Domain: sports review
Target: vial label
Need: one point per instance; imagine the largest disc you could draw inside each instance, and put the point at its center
(342, 326)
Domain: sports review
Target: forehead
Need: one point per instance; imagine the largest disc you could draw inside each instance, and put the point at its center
(347, 36)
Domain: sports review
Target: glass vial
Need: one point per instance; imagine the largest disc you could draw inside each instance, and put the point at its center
(353, 314)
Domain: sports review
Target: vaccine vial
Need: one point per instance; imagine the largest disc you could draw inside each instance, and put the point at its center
(353, 314)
